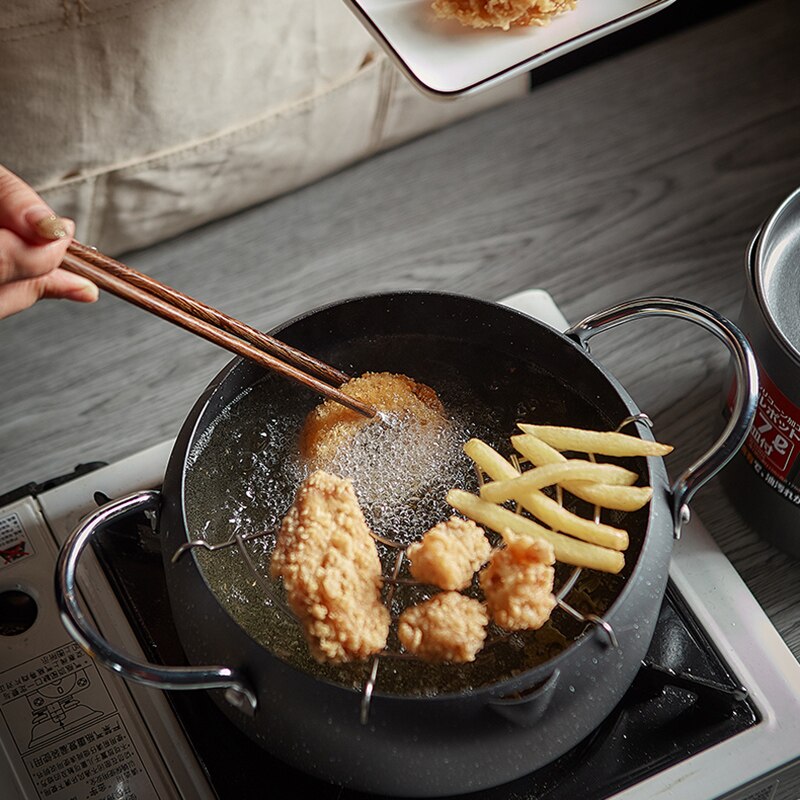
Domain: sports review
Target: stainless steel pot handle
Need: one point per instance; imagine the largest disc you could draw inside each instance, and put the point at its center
(744, 406)
(238, 691)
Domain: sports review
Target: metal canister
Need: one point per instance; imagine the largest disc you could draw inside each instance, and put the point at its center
(763, 479)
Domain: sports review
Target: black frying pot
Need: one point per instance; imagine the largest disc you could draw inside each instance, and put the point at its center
(455, 741)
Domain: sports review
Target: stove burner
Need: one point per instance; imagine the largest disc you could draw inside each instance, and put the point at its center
(18, 611)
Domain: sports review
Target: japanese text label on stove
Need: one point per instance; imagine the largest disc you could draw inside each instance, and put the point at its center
(68, 735)
(15, 543)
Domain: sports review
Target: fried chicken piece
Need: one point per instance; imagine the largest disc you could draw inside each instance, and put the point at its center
(330, 424)
(331, 571)
(449, 554)
(518, 583)
(501, 13)
(448, 627)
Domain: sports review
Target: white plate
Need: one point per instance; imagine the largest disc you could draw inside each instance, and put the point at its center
(444, 58)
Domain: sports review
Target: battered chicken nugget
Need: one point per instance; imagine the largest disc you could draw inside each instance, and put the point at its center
(331, 571)
(330, 424)
(501, 13)
(448, 627)
(518, 583)
(449, 554)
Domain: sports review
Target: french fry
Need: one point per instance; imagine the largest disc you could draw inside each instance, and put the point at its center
(535, 450)
(567, 550)
(543, 507)
(489, 460)
(605, 443)
(556, 516)
(547, 475)
(620, 498)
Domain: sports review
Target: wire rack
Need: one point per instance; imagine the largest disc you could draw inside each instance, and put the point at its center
(392, 580)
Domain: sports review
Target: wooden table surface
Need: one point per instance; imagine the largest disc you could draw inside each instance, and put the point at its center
(645, 173)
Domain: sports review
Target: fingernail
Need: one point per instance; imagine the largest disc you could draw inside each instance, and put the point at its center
(47, 224)
(87, 293)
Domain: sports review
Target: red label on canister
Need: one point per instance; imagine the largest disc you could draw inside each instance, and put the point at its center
(773, 446)
(764, 481)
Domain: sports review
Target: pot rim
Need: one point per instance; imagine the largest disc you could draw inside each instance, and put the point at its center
(655, 474)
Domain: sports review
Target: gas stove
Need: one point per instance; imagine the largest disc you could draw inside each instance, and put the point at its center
(714, 712)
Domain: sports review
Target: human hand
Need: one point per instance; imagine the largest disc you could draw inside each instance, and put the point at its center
(33, 241)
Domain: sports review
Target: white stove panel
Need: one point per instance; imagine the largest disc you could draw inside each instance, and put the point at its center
(68, 728)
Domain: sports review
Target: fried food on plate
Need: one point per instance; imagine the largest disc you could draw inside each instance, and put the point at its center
(449, 554)
(501, 13)
(330, 425)
(518, 583)
(331, 571)
(448, 627)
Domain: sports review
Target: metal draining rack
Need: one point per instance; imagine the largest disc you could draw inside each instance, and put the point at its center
(393, 580)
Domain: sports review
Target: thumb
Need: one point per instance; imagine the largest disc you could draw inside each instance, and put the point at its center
(25, 213)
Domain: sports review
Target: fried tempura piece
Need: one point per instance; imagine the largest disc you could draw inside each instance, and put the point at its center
(501, 13)
(449, 554)
(330, 424)
(331, 571)
(448, 627)
(518, 583)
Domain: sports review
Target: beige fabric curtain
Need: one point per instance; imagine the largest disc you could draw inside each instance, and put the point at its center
(143, 119)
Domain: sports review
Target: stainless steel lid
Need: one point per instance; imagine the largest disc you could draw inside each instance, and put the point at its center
(776, 272)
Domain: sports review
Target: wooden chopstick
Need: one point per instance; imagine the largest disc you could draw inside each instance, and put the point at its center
(211, 315)
(210, 323)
